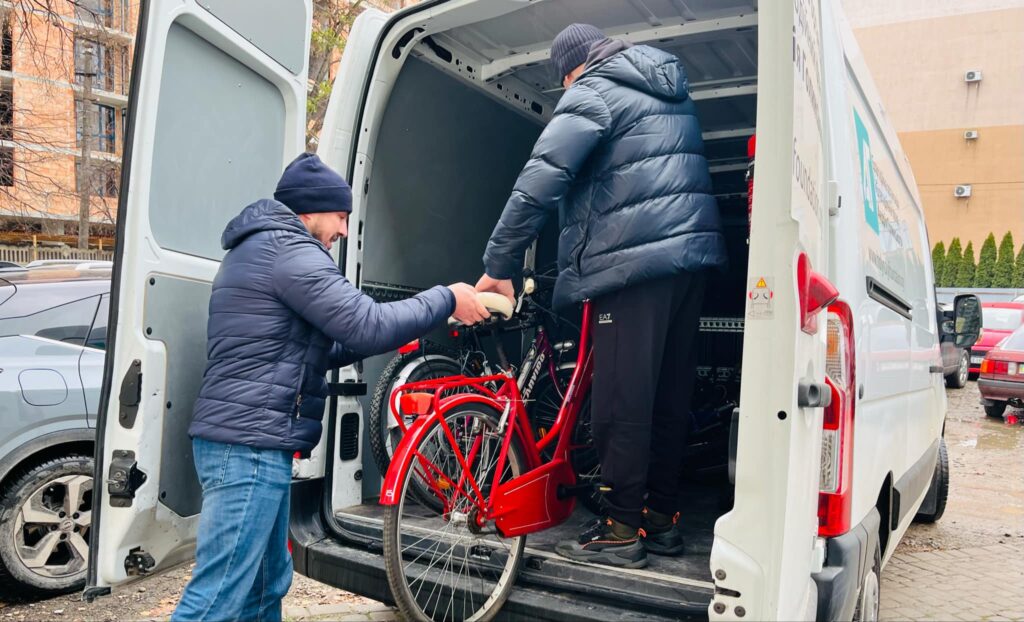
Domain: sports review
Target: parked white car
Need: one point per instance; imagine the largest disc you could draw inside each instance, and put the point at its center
(838, 439)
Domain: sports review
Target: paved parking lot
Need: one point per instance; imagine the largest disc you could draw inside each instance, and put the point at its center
(968, 566)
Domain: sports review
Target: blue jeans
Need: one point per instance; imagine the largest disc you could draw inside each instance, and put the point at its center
(243, 567)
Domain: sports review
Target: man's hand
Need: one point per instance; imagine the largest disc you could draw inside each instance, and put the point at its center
(468, 309)
(503, 287)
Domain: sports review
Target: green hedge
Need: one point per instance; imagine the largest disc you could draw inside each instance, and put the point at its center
(999, 266)
(986, 263)
(965, 275)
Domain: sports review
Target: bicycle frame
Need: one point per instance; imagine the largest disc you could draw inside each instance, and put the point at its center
(540, 357)
(532, 501)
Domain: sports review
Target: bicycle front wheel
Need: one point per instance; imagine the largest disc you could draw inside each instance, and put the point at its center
(444, 564)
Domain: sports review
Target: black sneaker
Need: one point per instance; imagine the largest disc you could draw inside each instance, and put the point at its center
(607, 542)
(661, 533)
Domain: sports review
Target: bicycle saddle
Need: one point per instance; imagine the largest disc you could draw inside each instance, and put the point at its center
(495, 303)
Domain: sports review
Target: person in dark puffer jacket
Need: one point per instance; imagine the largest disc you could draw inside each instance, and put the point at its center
(281, 315)
(622, 159)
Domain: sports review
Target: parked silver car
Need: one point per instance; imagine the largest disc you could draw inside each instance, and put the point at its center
(53, 331)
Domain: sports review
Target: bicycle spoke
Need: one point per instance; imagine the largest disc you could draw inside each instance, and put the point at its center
(454, 567)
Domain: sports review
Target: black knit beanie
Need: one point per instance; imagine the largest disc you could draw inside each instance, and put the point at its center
(309, 186)
(570, 48)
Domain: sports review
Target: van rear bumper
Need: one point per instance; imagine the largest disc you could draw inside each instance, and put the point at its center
(847, 558)
(362, 571)
(999, 390)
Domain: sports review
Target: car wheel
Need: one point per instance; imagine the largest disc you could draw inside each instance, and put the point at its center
(868, 600)
(958, 379)
(995, 409)
(45, 518)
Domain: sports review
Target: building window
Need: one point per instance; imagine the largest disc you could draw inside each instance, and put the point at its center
(102, 126)
(6, 45)
(126, 77)
(95, 11)
(103, 69)
(7, 112)
(102, 180)
(6, 166)
(6, 134)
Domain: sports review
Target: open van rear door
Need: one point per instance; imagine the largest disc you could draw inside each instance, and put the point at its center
(217, 108)
(765, 549)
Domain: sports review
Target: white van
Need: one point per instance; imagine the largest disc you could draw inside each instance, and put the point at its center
(838, 439)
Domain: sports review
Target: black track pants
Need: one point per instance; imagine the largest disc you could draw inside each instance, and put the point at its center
(644, 368)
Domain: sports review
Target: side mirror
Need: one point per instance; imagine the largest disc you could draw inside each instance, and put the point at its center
(967, 313)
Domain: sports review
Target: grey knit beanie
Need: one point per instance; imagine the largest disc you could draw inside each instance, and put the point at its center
(570, 48)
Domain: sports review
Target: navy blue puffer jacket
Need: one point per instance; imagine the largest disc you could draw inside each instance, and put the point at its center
(281, 315)
(623, 159)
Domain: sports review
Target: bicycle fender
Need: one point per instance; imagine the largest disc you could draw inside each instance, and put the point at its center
(401, 461)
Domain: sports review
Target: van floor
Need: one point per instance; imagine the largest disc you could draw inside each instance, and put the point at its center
(685, 578)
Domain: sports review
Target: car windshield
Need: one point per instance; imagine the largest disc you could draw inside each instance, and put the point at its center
(1014, 341)
(995, 318)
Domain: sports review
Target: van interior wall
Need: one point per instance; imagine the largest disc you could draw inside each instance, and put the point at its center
(444, 163)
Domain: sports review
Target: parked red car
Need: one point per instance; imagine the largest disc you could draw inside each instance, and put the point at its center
(1002, 375)
(999, 319)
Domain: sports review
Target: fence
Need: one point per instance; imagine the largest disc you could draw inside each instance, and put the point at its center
(26, 254)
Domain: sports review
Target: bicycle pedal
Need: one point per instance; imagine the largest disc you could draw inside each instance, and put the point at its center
(565, 492)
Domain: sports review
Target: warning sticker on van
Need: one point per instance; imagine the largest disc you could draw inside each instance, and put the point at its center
(761, 296)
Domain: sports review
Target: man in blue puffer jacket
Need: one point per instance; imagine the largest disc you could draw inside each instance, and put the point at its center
(622, 157)
(281, 315)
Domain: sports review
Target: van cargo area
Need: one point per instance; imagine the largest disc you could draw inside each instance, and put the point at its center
(459, 123)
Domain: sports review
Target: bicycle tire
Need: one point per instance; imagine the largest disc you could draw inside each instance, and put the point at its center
(380, 404)
(495, 560)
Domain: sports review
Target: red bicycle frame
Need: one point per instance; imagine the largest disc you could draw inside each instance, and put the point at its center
(534, 500)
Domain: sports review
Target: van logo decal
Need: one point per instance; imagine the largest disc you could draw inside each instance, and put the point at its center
(867, 174)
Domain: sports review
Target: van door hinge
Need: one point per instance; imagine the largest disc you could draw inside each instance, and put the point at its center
(123, 478)
(138, 562)
(835, 200)
(130, 395)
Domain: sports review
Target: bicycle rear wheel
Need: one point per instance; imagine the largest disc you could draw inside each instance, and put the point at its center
(428, 363)
(441, 563)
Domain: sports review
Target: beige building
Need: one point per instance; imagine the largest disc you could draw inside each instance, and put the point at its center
(958, 130)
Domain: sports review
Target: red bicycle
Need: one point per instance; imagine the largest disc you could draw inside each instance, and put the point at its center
(468, 482)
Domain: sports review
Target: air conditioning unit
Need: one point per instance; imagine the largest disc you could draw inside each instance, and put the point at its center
(973, 75)
(971, 135)
(962, 191)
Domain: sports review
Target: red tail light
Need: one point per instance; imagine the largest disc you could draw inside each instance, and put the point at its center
(835, 497)
(412, 346)
(993, 366)
(815, 292)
